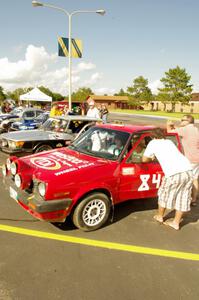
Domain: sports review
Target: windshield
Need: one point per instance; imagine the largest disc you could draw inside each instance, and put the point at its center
(41, 118)
(101, 142)
(55, 125)
(17, 111)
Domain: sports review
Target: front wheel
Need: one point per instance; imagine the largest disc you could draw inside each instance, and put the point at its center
(92, 212)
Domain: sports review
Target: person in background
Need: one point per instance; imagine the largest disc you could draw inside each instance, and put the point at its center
(3, 108)
(104, 113)
(176, 187)
(55, 111)
(189, 134)
(93, 111)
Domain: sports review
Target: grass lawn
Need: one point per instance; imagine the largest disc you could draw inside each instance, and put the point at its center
(154, 113)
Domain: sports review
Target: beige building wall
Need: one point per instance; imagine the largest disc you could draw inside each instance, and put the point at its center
(193, 107)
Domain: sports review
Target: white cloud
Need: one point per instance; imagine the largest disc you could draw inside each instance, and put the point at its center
(41, 68)
(85, 67)
(94, 78)
(27, 70)
(155, 85)
(104, 91)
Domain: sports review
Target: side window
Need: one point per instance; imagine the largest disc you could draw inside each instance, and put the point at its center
(38, 112)
(173, 139)
(28, 114)
(139, 146)
(76, 126)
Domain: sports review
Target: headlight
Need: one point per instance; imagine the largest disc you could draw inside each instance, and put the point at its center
(8, 163)
(13, 168)
(23, 127)
(4, 170)
(4, 143)
(15, 145)
(42, 189)
(18, 180)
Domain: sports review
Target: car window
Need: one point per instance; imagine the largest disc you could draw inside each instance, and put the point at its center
(173, 139)
(102, 142)
(38, 112)
(76, 125)
(138, 143)
(28, 114)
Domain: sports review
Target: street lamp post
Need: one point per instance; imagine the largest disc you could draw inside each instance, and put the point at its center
(99, 11)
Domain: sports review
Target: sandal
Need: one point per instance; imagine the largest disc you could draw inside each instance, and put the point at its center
(171, 224)
(158, 219)
(194, 203)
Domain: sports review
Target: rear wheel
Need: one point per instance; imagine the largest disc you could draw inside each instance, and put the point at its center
(43, 148)
(92, 212)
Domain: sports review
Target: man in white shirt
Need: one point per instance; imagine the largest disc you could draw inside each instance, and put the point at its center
(93, 111)
(176, 187)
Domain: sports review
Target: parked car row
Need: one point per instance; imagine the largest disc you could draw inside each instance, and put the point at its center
(18, 115)
(55, 132)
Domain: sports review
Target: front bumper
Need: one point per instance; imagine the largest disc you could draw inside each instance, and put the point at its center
(34, 204)
(17, 152)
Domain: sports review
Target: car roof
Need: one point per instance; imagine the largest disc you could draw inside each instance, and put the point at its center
(128, 127)
(32, 109)
(77, 118)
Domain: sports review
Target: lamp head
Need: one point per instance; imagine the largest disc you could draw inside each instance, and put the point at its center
(36, 3)
(100, 12)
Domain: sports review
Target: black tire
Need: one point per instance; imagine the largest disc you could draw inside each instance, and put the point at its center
(92, 212)
(43, 148)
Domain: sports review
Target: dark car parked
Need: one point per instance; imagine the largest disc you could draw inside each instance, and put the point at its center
(54, 133)
(14, 114)
(29, 124)
(23, 114)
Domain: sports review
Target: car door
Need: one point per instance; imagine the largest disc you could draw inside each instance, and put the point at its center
(142, 180)
(138, 179)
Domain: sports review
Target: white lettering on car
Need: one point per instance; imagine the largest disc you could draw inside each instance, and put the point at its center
(144, 185)
(156, 179)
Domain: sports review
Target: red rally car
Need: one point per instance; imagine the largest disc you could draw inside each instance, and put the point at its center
(99, 169)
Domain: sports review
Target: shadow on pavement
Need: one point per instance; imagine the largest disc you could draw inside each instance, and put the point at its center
(119, 212)
(190, 217)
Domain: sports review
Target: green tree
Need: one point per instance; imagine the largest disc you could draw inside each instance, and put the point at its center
(164, 98)
(57, 97)
(176, 87)
(16, 93)
(81, 94)
(2, 94)
(46, 91)
(139, 93)
(121, 93)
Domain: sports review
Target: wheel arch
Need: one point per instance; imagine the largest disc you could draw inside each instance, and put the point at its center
(37, 145)
(90, 192)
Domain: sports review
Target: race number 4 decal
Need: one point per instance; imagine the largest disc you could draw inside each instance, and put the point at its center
(156, 179)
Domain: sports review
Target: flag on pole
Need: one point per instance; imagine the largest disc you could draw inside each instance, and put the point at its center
(63, 47)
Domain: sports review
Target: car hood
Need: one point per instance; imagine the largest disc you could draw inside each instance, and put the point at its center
(35, 135)
(60, 163)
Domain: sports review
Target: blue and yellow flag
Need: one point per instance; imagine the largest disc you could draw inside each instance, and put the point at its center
(63, 46)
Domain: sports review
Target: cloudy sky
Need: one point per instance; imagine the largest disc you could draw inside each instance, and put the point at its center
(133, 38)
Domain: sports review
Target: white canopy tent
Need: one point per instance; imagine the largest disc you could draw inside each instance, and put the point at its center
(36, 95)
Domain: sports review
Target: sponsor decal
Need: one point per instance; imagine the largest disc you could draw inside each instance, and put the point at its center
(45, 163)
(57, 160)
(128, 171)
